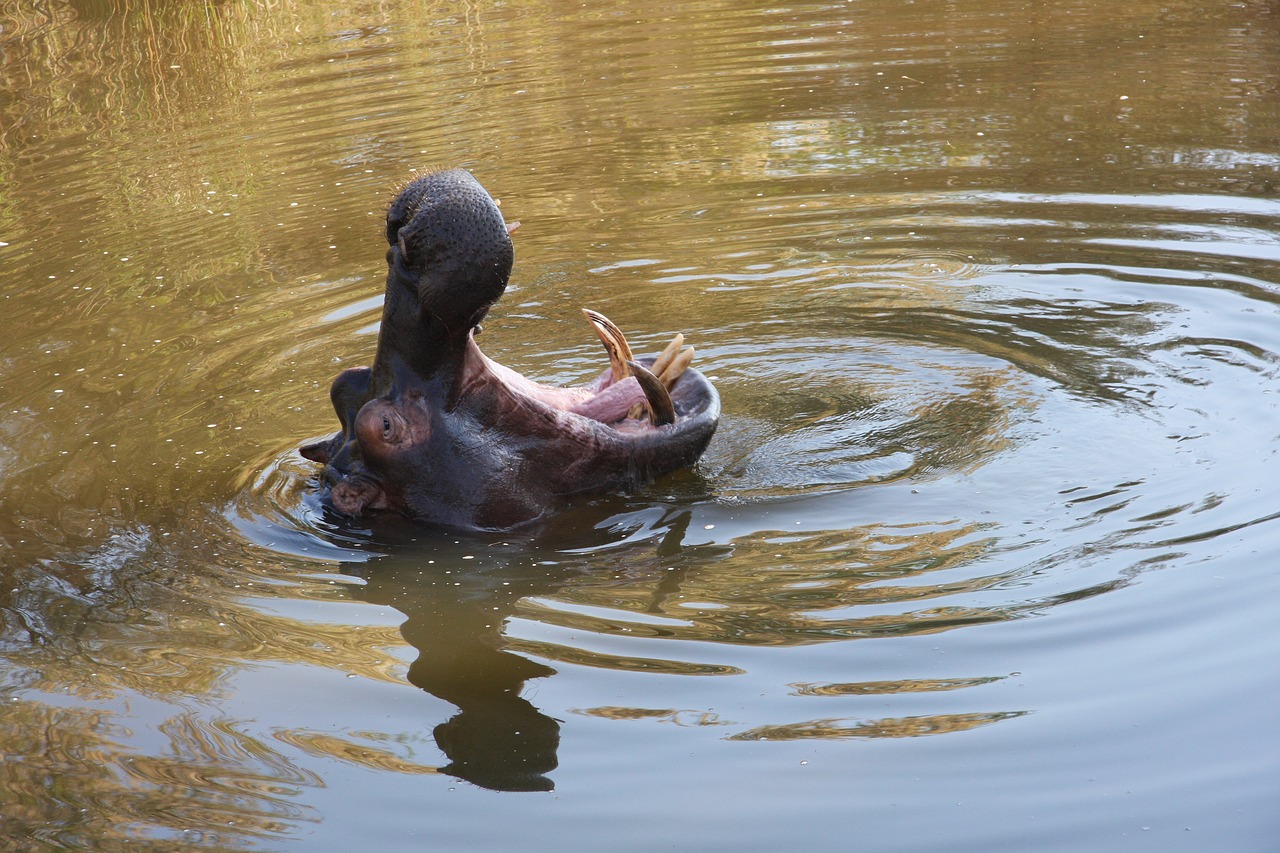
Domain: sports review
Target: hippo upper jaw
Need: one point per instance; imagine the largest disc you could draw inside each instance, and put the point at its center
(493, 449)
(449, 257)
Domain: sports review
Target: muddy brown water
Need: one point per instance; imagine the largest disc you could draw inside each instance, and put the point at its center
(982, 558)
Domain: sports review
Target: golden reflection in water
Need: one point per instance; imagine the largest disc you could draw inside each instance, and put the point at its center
(183, 651)
(622, 663)
(776, 588)
(147, 620)
(213, 784)
(889, 727)
(364, 754)
(878, 688)
(662, 715)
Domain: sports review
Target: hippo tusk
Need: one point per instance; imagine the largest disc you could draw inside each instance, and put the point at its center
(661, 410)
(667, 368)
(615, 343)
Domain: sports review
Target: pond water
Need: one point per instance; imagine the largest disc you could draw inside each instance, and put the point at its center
(983, 556)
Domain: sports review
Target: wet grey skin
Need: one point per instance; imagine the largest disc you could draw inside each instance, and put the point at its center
(438, 432)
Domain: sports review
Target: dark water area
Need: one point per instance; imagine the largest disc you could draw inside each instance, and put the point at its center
(983, 556)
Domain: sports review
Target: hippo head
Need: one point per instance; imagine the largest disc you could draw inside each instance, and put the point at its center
(438, 432)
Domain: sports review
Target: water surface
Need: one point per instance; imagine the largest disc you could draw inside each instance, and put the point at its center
(982, 557)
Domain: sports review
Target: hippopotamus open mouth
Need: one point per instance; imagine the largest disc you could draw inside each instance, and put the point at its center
(438, 432)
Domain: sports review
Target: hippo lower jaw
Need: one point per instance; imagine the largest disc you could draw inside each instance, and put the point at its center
(644, 417)
(630, 396)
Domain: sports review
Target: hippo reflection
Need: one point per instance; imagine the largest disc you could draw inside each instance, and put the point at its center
(438, 432)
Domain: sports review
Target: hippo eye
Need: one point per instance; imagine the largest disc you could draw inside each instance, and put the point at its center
(386, 428)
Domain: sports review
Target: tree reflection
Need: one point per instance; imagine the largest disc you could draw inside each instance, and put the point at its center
(69, 782)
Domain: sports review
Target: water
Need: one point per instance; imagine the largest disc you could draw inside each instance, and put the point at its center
(981, 557)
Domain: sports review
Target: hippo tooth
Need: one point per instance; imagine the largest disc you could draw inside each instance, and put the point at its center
(661, 410)
(677, 367)
(660, 363)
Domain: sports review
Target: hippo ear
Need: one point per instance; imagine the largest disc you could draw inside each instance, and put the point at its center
(351, 389)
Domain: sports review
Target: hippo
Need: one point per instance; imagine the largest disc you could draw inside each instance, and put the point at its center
(438, 432)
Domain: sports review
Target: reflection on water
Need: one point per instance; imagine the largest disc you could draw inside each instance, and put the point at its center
(215, 784)
(498, 739)
(460, 599)
(989, 293)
